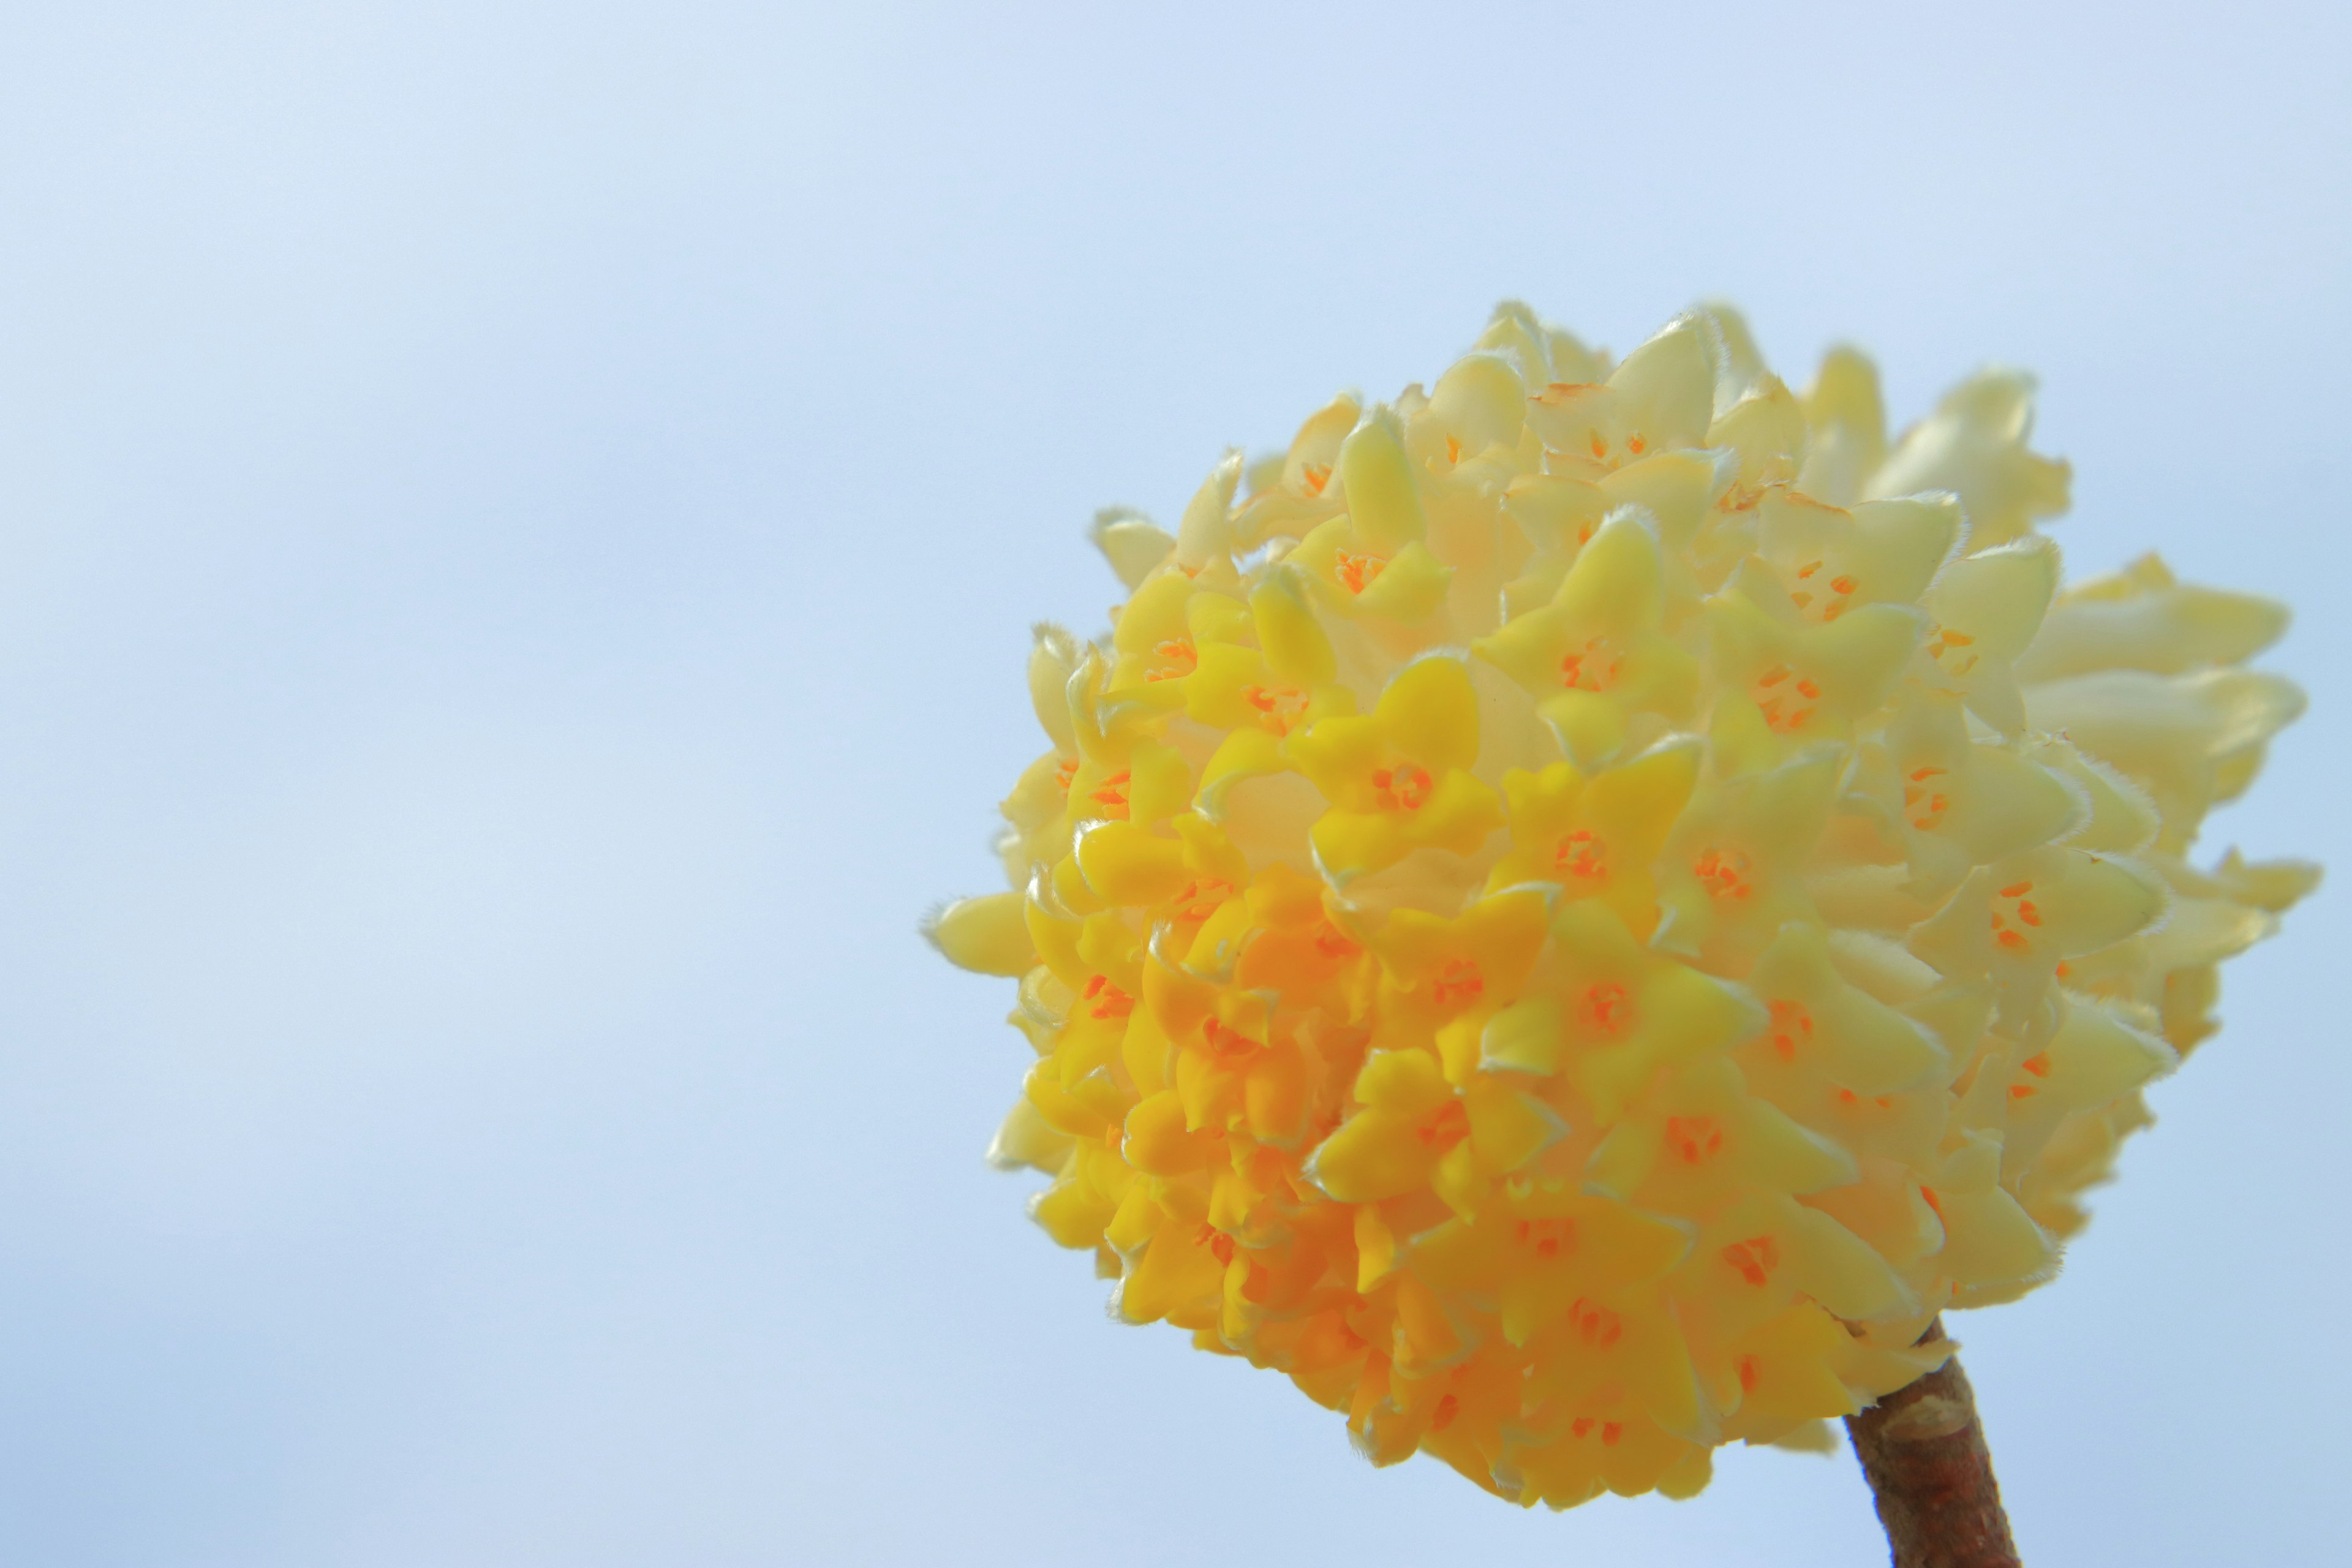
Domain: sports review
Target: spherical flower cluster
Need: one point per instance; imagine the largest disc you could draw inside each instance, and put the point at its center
(1575, 910)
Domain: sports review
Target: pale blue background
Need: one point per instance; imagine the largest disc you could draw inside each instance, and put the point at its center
(517, 527)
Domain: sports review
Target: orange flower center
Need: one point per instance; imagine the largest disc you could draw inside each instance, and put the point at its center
(1281, 707)
(1449, 1126)
(1755, 1259)
(1596, 1325)
(1457, 982)
(1723, 873)
(1110, 1001)
(1201, 898)
(1405, 787)
(1695, 1139)
(2038, 1065)
(1547, 1238)
(1182, 656)
(1946, 646)
(1360, 572)
(1922, 802)
(1791, 1027)
(1582, 855)
(1333, 943)
(1111, 795)
(1844, 586)
(1225, 1041)
(1786, 698)
(2022, 911)
(1595, 668)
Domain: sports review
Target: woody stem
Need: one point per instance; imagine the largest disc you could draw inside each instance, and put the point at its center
(1924, 1450)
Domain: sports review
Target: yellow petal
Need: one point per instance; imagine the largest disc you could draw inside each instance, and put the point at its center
(989, 935)
(1297, 650)
(1122, 863)
(1383, 503)
(1524, 1038)
(1177, 1269)
(1508, 1128)
(1666, 388)
(1429, 712)
(1130, 543)
(1373, 1155)
(1410, 587)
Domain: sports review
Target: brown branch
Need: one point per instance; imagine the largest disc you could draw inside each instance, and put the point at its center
(1923, 1451)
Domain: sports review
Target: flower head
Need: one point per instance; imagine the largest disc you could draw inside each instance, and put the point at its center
(1575, 910)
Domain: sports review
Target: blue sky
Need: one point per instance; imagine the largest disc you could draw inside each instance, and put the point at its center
(518, 529)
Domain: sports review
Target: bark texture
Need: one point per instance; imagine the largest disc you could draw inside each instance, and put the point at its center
(1923, 1451)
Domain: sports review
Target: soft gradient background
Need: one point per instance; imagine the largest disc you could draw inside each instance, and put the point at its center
(518, 529)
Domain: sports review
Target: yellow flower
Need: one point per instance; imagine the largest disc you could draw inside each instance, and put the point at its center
(1572, 912)
(1399, 779)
